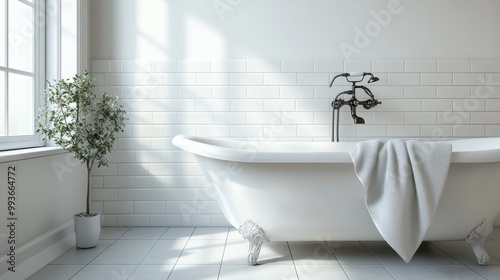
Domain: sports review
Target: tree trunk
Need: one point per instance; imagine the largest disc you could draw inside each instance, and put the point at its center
(89, 170)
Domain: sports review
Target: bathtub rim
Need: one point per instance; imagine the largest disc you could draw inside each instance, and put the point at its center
(232, 150)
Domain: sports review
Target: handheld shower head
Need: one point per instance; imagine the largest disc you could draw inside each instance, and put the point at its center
(373, 79)
(355, 75)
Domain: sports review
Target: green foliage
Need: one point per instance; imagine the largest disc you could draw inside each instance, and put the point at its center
(75, 119)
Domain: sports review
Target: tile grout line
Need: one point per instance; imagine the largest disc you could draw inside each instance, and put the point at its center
(293, 260)
(175, 264)
(426, 267)
(76, 272)
(158, 240)
(446, 253)
(114, 241)
(369, 251)
(223, 252)
(337, 259)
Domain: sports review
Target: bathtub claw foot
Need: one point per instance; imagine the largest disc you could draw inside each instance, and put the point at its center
(476, 239)
(256, 237)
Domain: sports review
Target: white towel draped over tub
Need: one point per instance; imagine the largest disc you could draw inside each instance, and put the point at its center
(403, 182)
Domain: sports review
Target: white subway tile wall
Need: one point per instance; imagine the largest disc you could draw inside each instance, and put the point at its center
(149, 182)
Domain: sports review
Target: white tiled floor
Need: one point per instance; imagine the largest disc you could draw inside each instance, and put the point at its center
(206, 253)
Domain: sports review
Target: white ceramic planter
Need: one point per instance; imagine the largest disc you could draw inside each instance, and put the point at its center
(87, 230)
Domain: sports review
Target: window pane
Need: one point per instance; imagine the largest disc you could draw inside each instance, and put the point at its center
(2, 103)
(68, 39)
(21, 36)
(20, 105)
(3, 32)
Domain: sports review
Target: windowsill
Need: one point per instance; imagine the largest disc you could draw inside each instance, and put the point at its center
(30, 153)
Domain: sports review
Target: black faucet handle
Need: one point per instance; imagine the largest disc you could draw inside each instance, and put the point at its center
(370, 103)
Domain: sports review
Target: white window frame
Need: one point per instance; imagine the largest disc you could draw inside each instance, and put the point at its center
(26, 141)
(48, 60)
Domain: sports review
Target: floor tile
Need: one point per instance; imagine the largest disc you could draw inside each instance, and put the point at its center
(364, 272)
(144, 233)
(165, 252)
(125, 252)
(271, 253)
(202, 252)
(152, 272)
(384, 253)
(83, 256)
(213, 253)
(490, 272)
(461, 251)
(275, 252)
(455, 272)
(247, 272)
(178, 233)
(105, 272)
(493, 249)
(56, 272)
(314, 271)
(410, 272)
(311, 253)
(113, 232)
(210, 233)
(235, 252)
(351, 252)
(428, 253)
(195, 272)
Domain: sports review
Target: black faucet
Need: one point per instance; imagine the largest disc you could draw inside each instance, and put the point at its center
(353, 102)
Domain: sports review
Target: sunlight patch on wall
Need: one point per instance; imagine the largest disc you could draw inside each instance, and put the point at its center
(206, 42)
(152, 23)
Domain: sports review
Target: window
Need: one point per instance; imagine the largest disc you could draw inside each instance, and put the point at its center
(20, 71)
(39, 42)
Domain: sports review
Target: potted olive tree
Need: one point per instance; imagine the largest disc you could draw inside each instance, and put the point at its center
(82, 124)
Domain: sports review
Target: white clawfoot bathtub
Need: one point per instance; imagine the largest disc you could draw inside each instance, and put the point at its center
(287, 191)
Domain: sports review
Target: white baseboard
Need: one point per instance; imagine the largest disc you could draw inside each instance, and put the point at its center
(54, 244)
